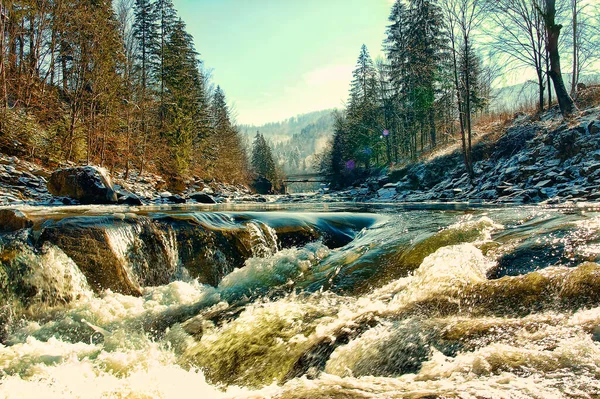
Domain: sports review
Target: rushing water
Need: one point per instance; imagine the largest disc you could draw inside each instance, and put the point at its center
(337, 301)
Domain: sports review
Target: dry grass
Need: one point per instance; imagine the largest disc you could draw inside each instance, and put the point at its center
(588, 97)
(490, 126)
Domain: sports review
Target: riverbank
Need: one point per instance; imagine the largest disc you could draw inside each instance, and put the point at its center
(529, 159)
(26, 183)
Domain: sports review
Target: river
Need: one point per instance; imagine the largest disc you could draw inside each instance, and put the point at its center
(315, 301)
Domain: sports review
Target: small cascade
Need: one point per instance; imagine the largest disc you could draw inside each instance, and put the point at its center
(148, 251)
(263, 239)
(154, 254)
(169, 240)
(121, 239)
(44, 277)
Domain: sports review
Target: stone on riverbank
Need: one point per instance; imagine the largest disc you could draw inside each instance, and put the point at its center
(202, 198)
(86, 184)
(12, 220)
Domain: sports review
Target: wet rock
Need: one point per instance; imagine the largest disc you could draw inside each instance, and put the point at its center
(33, 277)
(488, 194)
(383, 181)
(566, 143)
(528, 171)
(87, 184)
(202, 198)
(594, 195)
(130, 199)
(386, 193)
(372, 186)
(544, 183)
(67, 201)
(13, 220)
(589, 168)
(89, 243)
(176, 199)
(596, 334)
(514, 140)
(209, 254)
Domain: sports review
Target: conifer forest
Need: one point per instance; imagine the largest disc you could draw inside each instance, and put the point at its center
(441, 61)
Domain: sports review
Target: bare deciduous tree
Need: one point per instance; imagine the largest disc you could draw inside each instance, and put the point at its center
(461, 17)
(520, 35)
(547, 10)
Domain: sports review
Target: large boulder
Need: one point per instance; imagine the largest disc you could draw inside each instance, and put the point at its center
(86, 184)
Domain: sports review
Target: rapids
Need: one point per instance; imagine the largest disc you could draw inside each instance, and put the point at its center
(302, 301)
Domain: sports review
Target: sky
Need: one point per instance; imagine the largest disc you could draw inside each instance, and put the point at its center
(279, 58)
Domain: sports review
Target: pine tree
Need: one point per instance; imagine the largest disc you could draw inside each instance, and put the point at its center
(166, 19)
(470, 65)
(339, 159)
(181, 105)
(231, 161)
(424, 45)
(144, 32)
(105, 84)
(363, 83)
(396, 49)
(263, 163)
(362, 109)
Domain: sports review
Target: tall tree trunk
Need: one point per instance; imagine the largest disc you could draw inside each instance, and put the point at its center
(541, 89)
(432, 131)
(63, 63)
(567, 106)
(468, 107)
(548, 80)
(3, 24)
(466, 155)
(575, 77)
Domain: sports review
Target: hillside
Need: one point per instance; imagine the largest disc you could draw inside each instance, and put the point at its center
(295, 140)
(528, 158)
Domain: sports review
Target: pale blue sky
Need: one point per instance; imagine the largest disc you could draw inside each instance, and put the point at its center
(279, 58)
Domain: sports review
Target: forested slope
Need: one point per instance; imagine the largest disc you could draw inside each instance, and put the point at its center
(115, 84)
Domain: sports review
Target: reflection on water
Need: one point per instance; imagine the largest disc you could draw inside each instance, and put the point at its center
(327, 301)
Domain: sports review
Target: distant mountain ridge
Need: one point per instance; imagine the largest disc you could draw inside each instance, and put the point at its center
(284, 130)
(295, 140)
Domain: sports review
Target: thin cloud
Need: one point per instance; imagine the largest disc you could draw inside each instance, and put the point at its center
(328, 74)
